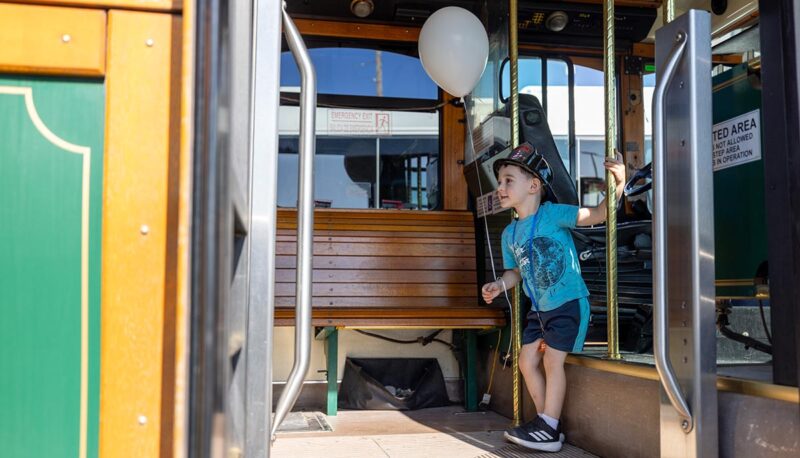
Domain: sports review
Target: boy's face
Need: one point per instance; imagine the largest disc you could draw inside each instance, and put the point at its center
(515, 186)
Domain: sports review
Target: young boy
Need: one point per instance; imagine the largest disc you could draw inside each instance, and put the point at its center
(538, 250)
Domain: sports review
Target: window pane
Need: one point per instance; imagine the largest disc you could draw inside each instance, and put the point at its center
(409, 172)
(363, 72)
(590, 133)
(344, 172)
(649, 88)
(558, 106)
(349, 143)
(364, 158)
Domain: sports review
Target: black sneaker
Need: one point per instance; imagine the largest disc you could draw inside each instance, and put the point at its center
(536, 435)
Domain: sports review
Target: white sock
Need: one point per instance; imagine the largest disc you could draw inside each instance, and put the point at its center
(551, 422)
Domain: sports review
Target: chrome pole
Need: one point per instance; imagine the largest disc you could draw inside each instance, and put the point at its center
(305, 222)
(611, 191)
(516, 317)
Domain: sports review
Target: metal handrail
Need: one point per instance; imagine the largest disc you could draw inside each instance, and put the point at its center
(660, 341)
(305, 221)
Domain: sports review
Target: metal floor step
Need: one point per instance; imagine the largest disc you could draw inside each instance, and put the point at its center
(517, 451)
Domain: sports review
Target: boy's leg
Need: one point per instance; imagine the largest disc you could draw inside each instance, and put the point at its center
(556, 382)
(529, 364)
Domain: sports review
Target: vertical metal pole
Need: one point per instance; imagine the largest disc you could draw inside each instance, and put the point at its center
(419, 182)
(667, 11)
(377, 193)
(611, 192)
(516, 318)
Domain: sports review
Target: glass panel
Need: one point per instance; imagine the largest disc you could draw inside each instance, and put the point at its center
(344, 172)
(362, 72)
(649, 82)
(590, 134)
(558, 106)
(364, 158)
(485, 98)
(592, 153)
(409, 172)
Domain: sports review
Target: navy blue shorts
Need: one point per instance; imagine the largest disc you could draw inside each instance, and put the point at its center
(564, 328)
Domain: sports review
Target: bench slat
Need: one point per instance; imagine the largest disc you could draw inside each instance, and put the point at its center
(334, 237)
(381, 227)
(380, 262)
(381, 289)
(381, 276)
(373, 214)
(382, 303)
(380, 249)
(375, 222)
(382, 234)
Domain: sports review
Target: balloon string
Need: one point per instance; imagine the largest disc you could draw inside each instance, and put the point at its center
(485, 217)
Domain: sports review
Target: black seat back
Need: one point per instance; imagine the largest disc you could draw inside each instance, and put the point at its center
(535, 130)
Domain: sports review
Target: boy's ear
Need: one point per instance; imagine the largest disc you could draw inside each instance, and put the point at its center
(534, 185)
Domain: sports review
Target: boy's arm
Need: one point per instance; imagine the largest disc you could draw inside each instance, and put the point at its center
(493, 289)
(589, 216)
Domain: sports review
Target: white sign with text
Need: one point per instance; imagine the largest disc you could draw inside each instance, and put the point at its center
(488, 204)
(737, 141)
(359, 122)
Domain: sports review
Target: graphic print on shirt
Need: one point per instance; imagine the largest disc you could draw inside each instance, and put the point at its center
(549, 262)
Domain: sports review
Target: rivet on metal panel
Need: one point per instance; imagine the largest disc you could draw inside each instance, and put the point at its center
(684, 323)
(145, 229)
(66, 38)
(142, 420)
(686, 341)
(683, 304)
(683, 143)
(685, 360)
(681, 85)
(679, 36)
(149, 42)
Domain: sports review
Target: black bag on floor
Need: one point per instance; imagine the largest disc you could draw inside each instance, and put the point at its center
(392, 384)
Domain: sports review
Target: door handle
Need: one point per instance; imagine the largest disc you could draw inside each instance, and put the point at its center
(666, 373)
(305, 221)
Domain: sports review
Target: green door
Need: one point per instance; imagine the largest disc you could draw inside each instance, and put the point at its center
(51, 169)
(739, 206)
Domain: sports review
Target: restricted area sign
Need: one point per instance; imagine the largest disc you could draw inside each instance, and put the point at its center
(737, 141)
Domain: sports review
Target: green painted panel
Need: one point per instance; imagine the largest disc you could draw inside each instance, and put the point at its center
(51, 169)
(739, 207)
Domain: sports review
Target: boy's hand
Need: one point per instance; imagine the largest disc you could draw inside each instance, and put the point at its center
(490, 291)
(617, 168)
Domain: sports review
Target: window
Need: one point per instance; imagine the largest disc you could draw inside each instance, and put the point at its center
(649, 83)
(590, 134)
(365, 158)
(362, 72)
(552, 89)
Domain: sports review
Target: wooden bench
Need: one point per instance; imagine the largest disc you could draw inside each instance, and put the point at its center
(386, 269)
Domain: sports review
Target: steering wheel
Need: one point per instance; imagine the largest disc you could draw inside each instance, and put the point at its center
(645, 173)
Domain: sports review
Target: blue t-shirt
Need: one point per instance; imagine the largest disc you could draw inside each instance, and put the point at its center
(543, 241)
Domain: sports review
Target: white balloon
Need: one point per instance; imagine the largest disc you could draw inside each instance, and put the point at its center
(453, 48)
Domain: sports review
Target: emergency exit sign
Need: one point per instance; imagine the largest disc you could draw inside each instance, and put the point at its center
(737, 141)
(359, 122)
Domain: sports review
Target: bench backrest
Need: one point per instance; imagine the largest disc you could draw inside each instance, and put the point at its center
(377, 268)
